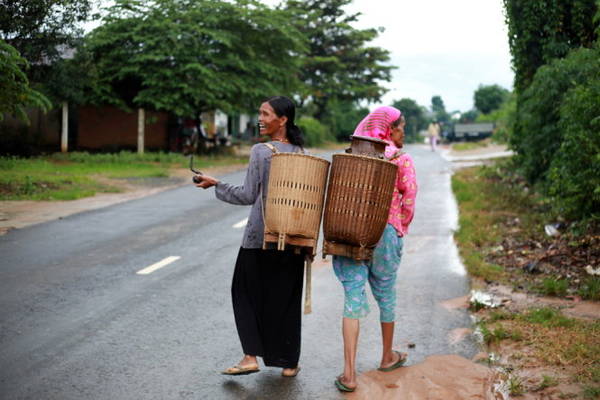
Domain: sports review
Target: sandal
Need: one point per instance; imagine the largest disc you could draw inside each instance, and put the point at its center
(397, 364)
(342, 387)
(241, 370)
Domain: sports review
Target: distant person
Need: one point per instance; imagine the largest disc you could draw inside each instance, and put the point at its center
(433, 132)
(267, 284)
(386, 123)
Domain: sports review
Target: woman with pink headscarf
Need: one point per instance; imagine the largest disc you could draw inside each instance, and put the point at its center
(385, 123)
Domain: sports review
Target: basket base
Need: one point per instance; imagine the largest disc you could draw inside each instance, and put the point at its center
(307, 245)
(341, 249)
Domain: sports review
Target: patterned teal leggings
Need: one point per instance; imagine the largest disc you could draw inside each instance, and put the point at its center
(381, 273)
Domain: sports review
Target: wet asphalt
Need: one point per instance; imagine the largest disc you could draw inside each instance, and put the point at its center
(77, 322)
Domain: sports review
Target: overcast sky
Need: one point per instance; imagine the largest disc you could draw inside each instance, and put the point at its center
(440, 47)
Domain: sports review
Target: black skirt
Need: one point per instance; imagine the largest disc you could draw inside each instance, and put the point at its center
(267, 300)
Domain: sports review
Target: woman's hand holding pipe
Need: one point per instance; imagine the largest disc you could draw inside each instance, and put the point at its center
(205, 181)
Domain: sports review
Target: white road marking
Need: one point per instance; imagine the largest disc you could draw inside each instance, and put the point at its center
(158, 265)
(241, 224)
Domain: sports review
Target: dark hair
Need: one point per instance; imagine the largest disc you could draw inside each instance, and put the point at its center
(397, 122)
(283, 106)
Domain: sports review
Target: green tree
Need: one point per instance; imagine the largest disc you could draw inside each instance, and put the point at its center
(187, 56)
(504, 119)
(542, 30)
(574, 176)
(538, 115)
(439, 109)
(489, 98)
(42, 31)
(343, 116)
(339, 64)
(15, 92)
(468, 116)
(414, 114)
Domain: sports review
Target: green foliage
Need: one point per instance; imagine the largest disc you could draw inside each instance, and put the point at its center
(504, 119)
(547, 381)
(540, 31)
(574, 177)
(414, 114)
(45, 32)
(468, 116)
(187, 56)
(68, 176)
(591, 392)
(342, 117)
(15, 93)
(340, 64)
(554, 287)
(590, 289)
(515, 386)
(41, 29)
(315, 133)
(439, 109)
(538, 133)
(548, 317)
(489, 98)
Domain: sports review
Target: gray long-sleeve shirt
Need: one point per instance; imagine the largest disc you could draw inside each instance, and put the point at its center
(257, 177)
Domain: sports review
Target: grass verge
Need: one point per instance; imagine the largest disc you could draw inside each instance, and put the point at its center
(465, 146)
(544, 336)
(502, 237)
(75, 175)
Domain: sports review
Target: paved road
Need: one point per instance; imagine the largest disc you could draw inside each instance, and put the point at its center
(77, 322)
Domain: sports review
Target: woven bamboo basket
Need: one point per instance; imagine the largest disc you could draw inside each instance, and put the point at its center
(295, 198)
(359, 196)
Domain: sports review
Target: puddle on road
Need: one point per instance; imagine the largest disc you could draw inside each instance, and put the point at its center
(458, 335)
(456, 303)
(441, 377)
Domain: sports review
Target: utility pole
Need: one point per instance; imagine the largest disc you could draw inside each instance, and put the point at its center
(64, 137)
(141, 124)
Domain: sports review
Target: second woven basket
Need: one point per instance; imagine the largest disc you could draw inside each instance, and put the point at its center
(359, 196)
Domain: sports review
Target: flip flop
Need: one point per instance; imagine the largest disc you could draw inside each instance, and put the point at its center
(241, 370)
(398, 364)
(341, 387)
(291, 375)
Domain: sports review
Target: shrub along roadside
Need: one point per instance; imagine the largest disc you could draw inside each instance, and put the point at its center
(75, 175)
(501, 236)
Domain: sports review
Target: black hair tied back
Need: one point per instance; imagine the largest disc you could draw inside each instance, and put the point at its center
(284, 106)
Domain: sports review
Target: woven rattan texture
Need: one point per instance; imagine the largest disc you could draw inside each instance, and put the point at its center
(296, 194)
(359, 195)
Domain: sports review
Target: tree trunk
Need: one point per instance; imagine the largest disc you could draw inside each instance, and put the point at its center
(64, 137)
(141, 125)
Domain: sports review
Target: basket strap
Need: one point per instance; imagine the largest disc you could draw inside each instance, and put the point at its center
(271, 147)
(308, 287)
(262, 203)
(395, 155)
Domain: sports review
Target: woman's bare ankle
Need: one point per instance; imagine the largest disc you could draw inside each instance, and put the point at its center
(248, 360)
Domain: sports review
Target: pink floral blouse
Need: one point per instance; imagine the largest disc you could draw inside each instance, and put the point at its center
(402, 209)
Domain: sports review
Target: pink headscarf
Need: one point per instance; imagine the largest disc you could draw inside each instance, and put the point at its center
(378, 123)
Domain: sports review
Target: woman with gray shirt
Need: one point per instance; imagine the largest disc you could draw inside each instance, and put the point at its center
(267, 283)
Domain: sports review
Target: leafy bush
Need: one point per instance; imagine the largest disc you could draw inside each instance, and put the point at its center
(314, 132)
(574, 176)
(504, 118)
(538, 134)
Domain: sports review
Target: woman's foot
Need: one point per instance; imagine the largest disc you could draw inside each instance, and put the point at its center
(345, 385)
(395, 360)
(290, 372)
(248, 365)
